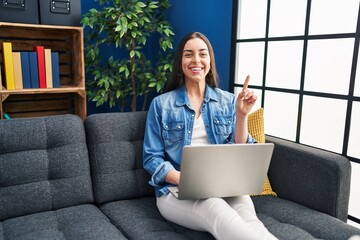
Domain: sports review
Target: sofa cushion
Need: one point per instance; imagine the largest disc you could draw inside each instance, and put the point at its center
(285, 218)
(115, 142)
(140, 219)
(256, 125)
(284, 231)
(78, 222)
(44, 165)
(257, 131)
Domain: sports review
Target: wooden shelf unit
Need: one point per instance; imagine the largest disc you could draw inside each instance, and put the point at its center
(70, 98)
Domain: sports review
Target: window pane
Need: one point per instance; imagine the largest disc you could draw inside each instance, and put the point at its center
(281, 113)
(252, 19)
(357, 79)
(354, 206)
(328, 65)
(287, 18)
(333, 16)
(357, 88)
(250, 60)
(284, 64)
(323, 123)
(257, 92)
(354, 136)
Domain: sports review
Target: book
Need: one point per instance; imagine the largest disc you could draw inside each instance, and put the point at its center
(34, 76)
(48, 68)
(8, 65)
(41, 65)
(55, 69)
(17, 70)
(25, 67)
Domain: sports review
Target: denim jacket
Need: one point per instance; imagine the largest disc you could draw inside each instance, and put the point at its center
(169, 127)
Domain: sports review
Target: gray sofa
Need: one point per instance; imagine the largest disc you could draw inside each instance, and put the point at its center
(62, 178)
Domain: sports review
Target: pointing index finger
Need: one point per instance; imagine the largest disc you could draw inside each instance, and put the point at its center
(246, 83)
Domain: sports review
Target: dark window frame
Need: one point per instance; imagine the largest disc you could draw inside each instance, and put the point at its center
(300, 92)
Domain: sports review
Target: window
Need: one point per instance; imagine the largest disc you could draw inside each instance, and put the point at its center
(298, 53)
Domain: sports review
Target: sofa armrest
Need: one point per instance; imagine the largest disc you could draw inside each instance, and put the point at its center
(312, 177)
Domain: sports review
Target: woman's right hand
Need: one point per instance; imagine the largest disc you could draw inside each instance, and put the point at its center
(245, 100)
(173, 177)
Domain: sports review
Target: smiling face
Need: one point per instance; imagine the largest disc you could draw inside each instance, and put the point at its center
(195, 61)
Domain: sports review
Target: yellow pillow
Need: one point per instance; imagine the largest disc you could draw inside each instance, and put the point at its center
(256, 129)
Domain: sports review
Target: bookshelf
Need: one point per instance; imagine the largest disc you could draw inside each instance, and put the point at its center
(70, 98)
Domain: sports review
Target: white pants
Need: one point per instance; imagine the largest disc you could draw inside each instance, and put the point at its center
(225, 218)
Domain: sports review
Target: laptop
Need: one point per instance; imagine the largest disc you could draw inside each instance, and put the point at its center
(223, 170)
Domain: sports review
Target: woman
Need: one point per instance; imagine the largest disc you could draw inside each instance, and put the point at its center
(186, 115)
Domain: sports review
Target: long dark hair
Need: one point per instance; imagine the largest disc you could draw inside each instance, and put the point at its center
(177, 78)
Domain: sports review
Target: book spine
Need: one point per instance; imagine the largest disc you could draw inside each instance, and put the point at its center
(34, 77)
(25, 67)
(8, 65)
(41, 65)
(48, 68)
(17, 70)
(55, 69)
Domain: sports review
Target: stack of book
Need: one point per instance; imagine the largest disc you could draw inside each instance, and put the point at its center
(30, 69)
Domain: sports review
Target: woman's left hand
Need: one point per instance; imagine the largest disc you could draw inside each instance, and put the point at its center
(246, 99)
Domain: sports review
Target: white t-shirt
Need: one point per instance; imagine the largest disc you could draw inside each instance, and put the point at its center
(199, 136)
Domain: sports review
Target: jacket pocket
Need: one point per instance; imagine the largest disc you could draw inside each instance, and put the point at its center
(223, 125)
(173, 131)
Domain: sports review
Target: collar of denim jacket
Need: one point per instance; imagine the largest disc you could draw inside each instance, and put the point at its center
(182, 98)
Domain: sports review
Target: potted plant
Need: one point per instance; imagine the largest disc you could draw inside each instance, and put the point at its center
(126, 26)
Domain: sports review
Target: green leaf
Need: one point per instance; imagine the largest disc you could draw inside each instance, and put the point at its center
(118, 21)
(96, 98)
(141, 4)
(127, 73)
(152, 84)
(107, 85)
(164, 45)
(153, 5)
(98, 104)
(93, 10)
(124, 22)
(92, 54)
(168, 32)
(138, 54)
(122, 68)
(132, 53)
(118, 28)
(85, 21)
(118, 94)
(167, 66)
(122, 33)
(170, 45)
(111, 60)
(158, 87)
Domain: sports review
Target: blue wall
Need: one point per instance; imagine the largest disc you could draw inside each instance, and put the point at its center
(211, 17)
